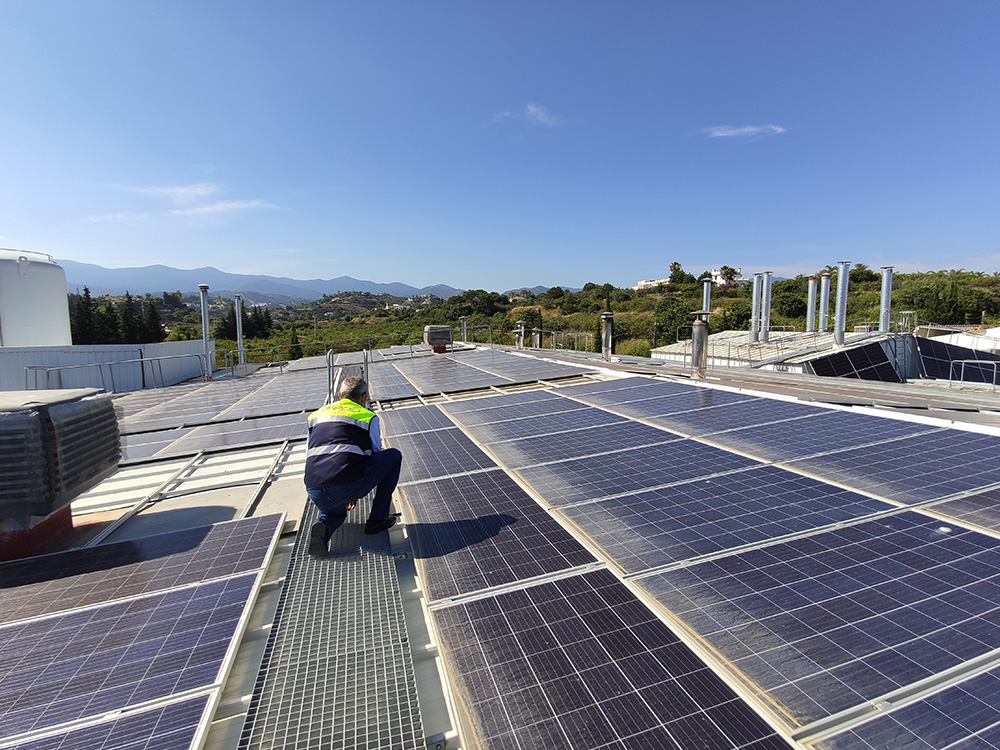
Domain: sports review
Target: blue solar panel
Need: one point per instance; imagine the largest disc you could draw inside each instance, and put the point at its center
(413, 419)
(982, 509)
(914, 469)
(503, 408)
(581, 663)
(966, 715)
(706, 420)
(77, 578)
(614, 394)
(439, 453)
(824, 432)
(626, 471)
(708, 516)
(833, 621)
(89, 662)
(528, 426)
(168, 727)
(481, 530)
(560, 446)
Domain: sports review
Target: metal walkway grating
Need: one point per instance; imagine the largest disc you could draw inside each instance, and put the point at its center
(337, 672)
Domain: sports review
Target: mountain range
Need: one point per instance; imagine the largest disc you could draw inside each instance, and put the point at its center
(258, 289)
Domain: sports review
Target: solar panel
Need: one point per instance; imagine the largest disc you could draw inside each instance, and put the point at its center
(824, 432)
(413, 419)
(495, 400)
(707, 516)
(387, 383)
(703, 421)
(617, 473)
(568, 444)
(243, 432)
(937, 357)
(292, 391)
(438, 453)
(982, 509)
(966, 715)
(505, 408)
(519, 368)
(913, 469)
(445, 374)
(580, 662)
(194, 406)
(481, 530)
(646, 389)
(89, 662)
(52, 583)
(826, 623)
(603, 386)
(161, 727)
(147, 444)
(866, 362)
(524, 427)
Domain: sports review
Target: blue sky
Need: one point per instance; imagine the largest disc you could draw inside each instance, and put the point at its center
(495, 145)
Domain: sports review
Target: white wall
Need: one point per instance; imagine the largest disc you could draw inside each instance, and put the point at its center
(112, 377)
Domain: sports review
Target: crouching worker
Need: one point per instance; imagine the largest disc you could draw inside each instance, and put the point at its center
(345, 461)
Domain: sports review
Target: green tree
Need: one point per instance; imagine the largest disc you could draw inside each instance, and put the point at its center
(295, 350)
(151, 325)
(129, 320)
(108, 328)
(671, 315)
(83, 324)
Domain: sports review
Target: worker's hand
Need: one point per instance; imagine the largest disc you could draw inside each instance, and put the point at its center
(352, 504)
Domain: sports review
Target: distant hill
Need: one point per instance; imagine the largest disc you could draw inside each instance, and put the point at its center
(156, 279)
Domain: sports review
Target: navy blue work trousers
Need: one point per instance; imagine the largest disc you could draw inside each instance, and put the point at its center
(381, 474)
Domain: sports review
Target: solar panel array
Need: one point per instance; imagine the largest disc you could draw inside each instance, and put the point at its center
(865, 362)
(775, 533)
(937, 358)
(125, 629)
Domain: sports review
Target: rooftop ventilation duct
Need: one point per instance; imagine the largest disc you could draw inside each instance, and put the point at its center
(438, 338)
(54, 446)
(886, 305)
(811, 306)
(840, 312)
(824, 302)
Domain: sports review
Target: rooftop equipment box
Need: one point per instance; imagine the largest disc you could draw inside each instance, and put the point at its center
(438, 335)
(54, 446)
(34, 310)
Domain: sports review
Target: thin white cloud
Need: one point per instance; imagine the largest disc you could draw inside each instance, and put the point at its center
(747, 131)
(220, 207)
(121, 216)
(179, 195)
(533, 114)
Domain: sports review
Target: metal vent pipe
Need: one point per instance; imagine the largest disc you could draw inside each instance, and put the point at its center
(765, 308)
(607, 334)
(465, 338)
(755, 309)
(699, 344)
(206, 365)
(519, 335)
(886, 306)
(239, 328)
(811, 306)
(824, 302)
(840, 312)
(536, 338)
(706, 294)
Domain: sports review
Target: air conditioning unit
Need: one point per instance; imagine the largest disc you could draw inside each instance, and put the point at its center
(54, 446)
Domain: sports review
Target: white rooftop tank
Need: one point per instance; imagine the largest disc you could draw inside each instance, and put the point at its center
(34, 309)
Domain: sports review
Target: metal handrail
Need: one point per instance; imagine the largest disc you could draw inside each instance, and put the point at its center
(111, 373)
(978, 363)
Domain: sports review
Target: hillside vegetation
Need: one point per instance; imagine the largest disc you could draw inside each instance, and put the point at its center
(643, 318)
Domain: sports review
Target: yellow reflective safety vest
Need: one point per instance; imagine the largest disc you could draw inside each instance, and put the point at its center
(340, 443)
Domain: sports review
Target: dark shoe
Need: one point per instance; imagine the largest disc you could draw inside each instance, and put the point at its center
(318, 538)
(374, 527)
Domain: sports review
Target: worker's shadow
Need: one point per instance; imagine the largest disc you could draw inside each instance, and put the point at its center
(439, 539)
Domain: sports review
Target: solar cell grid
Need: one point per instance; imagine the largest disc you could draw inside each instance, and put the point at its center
(387, 383)
(194, 406)
(982, 509)
(413, 419)
(966, 715)
(482, 530)
(243, 432)
(703, 421)
(708, 516)
(914, 469)
(77, 578)
(293, 391)
(93, 661)
(531, 426)
(445, 374)
(602, 386)
(569, 444)
(648, 389)
(827, 431)
(581, 663)
(147, 444)
(496, 400)
(626, 471)
(829, 622)
(437, 454)
(505, 410)
(168, 727)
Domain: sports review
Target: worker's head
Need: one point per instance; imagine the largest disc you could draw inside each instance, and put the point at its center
(356, 389)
